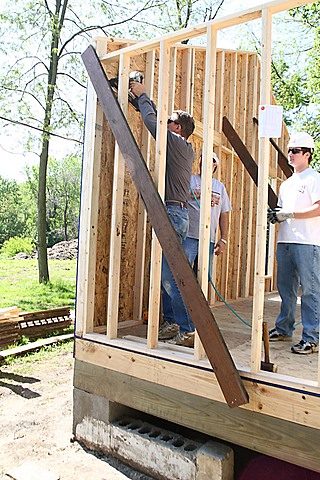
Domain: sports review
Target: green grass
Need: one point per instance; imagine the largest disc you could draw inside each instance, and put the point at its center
(19, 285)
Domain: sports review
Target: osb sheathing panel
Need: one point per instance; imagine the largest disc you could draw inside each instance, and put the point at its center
(129, 217)
(237, 97)
(104, 223)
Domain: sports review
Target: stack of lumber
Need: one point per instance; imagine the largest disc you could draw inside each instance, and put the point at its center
(14, 324)
(39, 324)
(9, 326)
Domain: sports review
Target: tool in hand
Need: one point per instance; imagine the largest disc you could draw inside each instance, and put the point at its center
(134, 76)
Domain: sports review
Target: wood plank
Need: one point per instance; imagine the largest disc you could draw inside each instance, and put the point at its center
(9, 312)
(233, 113)
(188, 33)
(159, 185)
(9, 324)
(240, 233)
(172, 78)
(206, 171)
(187, 80)
(9, 339)
(250, 140)
(218, 272)
(43, 314)
(280, 5)
(270, 394)
(34, 345)
(218, 111)
(230, 109)
(121, 325)
(117, 209)
(37, 331)
(142, 216)
(262, 199)
(236, 18)
(216, 349)
(33, 324)
(246, 158)
(89, 208)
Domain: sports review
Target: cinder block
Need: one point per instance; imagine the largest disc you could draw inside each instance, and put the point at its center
(168, 456)
(165, 455)
(153, 450)
(92, 416)
(215, 461)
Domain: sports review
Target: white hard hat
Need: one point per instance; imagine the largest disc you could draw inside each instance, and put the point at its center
(301, 139)
(215, 158)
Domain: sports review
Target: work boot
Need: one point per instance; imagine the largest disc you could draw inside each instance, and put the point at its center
(274, 336)
(184, 339)
(168, 330)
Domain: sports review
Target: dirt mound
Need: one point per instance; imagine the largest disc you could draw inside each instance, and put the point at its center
(22, 256)
(66, 250)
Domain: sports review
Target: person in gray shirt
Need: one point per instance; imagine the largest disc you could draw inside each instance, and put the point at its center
(180, 156)
(220, 208)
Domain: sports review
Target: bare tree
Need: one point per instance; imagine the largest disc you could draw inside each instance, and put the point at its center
(39, 87)
(41, 81)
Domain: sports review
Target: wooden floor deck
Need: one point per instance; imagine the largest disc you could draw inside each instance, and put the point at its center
(281, 418)
(237, 335)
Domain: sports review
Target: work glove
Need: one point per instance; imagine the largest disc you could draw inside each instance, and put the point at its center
(278, 215)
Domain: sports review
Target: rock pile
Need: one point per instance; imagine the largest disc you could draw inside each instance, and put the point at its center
(66, 250)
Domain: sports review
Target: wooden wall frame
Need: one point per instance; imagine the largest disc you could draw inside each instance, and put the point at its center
(107, 299)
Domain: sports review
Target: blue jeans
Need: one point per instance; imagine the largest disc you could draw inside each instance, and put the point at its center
(173, 307)
(190, 246)
(299, 264)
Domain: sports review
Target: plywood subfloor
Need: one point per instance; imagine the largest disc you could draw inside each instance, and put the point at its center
(237, 336)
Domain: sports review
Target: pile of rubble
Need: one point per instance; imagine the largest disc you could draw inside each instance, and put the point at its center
(66, 250)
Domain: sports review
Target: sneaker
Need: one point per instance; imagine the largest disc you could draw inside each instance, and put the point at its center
(184, 339)
(304, 347)
(274, 336)
(168, 330)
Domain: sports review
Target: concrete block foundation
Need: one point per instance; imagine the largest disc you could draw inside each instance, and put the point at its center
(165, 455)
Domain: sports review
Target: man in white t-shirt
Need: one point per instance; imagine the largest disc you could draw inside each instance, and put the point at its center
(298, 248)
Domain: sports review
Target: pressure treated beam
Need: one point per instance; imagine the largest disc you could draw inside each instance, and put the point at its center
(210, 335)
(246, 158)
